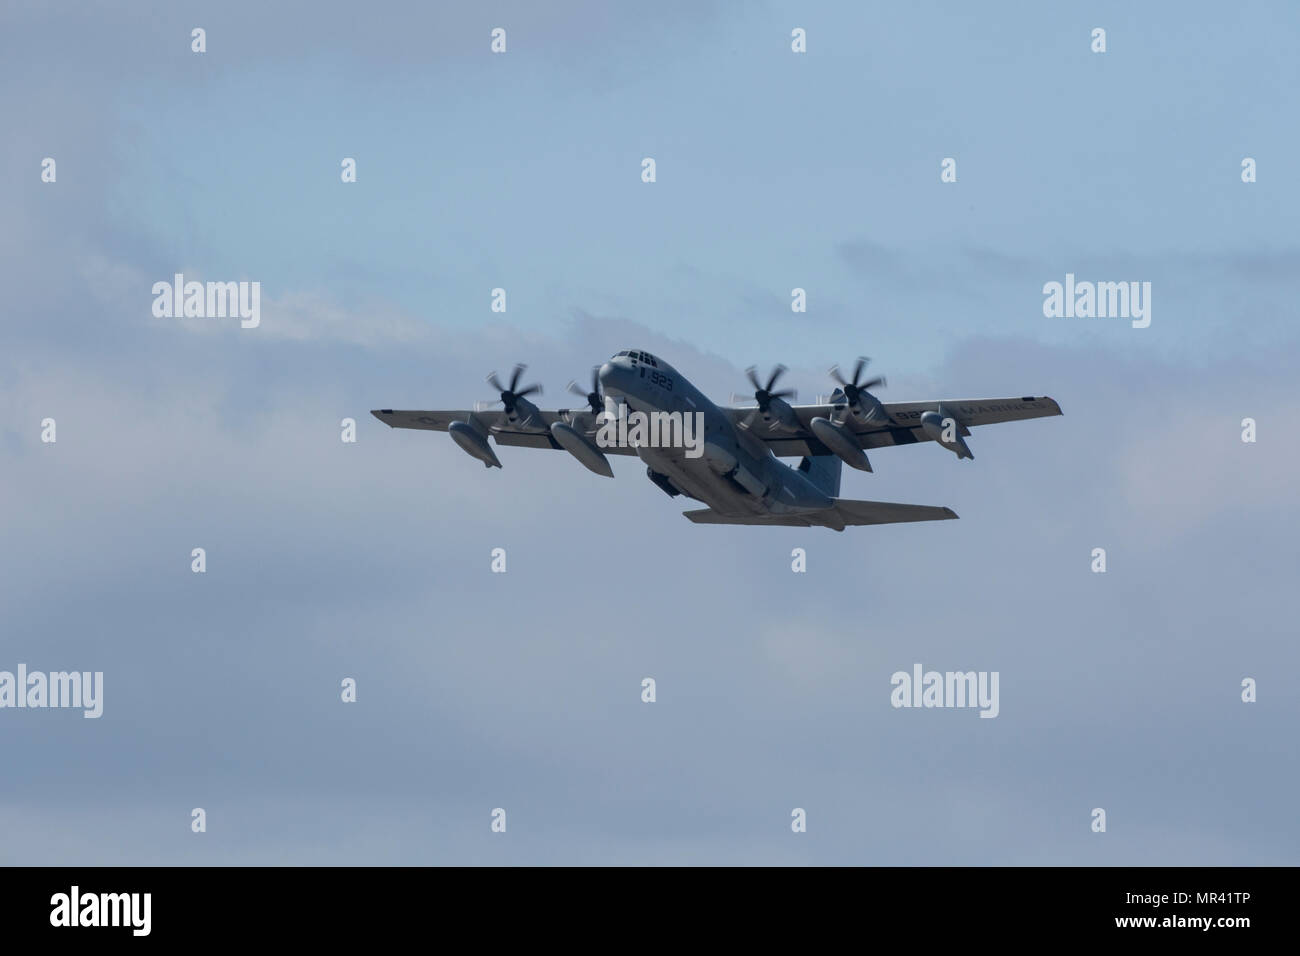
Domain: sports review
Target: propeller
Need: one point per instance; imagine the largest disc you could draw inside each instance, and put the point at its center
(510, 396)
(595, 398)
(765, 396)
(856, 389)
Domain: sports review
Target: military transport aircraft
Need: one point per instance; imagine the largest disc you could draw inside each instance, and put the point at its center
(732, 466)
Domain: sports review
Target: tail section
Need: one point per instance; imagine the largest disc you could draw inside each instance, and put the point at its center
(823, 471)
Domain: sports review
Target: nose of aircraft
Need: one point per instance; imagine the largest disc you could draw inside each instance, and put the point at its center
(614, 376)
(617, 376)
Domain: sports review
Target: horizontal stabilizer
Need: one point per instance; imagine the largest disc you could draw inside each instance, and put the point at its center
(844, 513)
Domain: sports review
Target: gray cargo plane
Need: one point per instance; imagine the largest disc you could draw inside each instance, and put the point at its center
(731, 463)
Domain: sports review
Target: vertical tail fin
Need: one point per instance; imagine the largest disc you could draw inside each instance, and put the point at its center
(823, 471)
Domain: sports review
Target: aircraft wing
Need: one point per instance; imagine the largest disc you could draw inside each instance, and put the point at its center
(533, 434)
(903, 427)
(844, 512)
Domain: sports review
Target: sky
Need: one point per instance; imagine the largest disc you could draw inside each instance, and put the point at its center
(522, 170)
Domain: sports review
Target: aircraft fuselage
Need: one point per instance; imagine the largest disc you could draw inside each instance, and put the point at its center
(736, 474)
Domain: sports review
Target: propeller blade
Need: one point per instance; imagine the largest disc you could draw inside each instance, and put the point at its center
(857, 369)
(595, 398)
(834, 372)
(776, 373)
(495, 382)
(880, 380)
(789, 393)
(530, 390)
(518, 374)
(751, 372)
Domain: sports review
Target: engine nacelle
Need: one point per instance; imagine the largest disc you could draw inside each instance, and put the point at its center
(871, 410)
(474, 443)
(841, 441)
(779, 409)
(940, 427)
(576, 444)
(522, 413)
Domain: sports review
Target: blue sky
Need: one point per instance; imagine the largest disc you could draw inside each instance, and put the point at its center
(522, 690)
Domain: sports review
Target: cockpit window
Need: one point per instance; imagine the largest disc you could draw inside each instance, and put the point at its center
(637, 356)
